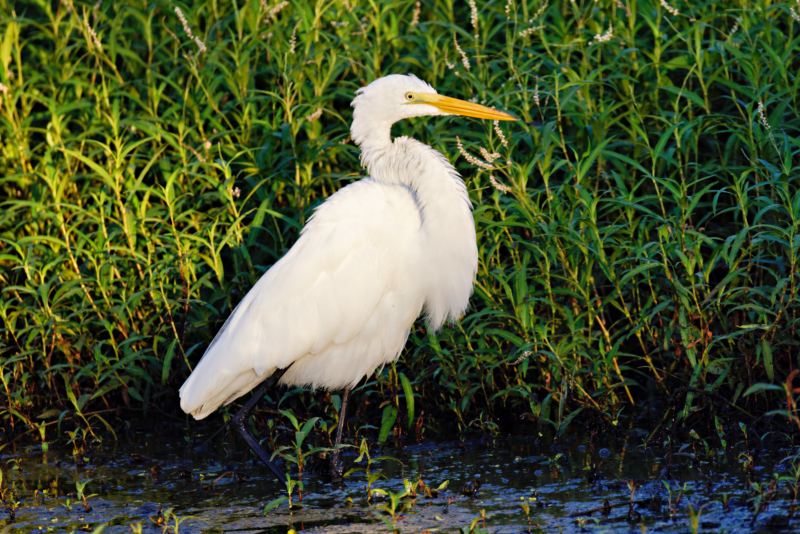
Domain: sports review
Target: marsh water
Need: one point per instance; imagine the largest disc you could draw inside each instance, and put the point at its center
(137, 478)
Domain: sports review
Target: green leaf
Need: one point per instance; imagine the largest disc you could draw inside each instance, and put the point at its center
(633, 272)
(275, 503)
(766, 353)
(409, 398)
(290, 416)
(301, 435)
(663, 141)
(5, 48)
(387, 422)
(568, 419)
(133, 392)
(168, 361)
(755, 388)
(363, 450)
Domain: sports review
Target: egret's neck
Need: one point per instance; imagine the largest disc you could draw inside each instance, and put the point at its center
(439, 190)
(406, 161)
(373, 137)
(447, 231)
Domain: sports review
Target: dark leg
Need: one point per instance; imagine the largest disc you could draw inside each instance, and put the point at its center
(239, 422)
(337, 465)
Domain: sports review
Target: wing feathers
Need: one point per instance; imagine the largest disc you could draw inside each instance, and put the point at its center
(316, 298)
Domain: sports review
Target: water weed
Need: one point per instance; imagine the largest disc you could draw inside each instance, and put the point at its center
(638, 234)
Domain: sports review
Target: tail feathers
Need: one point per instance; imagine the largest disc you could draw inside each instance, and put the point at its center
(204, 392)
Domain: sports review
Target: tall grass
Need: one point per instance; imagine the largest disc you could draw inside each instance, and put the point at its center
(642, 236)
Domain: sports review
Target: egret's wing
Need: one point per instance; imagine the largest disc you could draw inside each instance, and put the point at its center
(323, 291)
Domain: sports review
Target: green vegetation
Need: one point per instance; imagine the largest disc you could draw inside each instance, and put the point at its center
(641, 241)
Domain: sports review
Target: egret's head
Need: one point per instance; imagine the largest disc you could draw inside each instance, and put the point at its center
(398, 96)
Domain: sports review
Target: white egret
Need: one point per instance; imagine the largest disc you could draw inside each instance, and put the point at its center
(372, 257)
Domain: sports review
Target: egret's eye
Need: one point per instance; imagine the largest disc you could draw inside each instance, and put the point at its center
(409, 96)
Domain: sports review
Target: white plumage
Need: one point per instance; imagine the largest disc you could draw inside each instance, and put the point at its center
(373, 256)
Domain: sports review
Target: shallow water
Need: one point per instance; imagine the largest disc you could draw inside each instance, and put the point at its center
(124, 490)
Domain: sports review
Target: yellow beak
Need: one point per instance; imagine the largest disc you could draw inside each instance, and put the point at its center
(455, 106)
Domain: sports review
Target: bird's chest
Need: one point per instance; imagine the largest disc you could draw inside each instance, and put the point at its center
(450, 266)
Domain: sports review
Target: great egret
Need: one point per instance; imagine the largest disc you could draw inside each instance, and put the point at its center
(342, 301)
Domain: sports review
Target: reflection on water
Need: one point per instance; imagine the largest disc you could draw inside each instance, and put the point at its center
(143, 474)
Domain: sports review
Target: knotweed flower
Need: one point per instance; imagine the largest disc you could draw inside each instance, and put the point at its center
(603, 38)
(623, 6)
(473, 17)
(470, 158)
(669, 8)
(762, 116)
(536, 94)
(200, 158)
(538, 13)
(3, 89)
(736, 27)
(186, 28)
(293, 39)
(497, 185)
(93, 35)
(415, 16)
(235, 192)
(527, 31)
(450, 66)
(464, 58)
(499, 133)
(207, 144)
(272, 14)
(527, 354)
(314, 116)
(509, 6)
(185, 23)
(200, 44)
(489, 157)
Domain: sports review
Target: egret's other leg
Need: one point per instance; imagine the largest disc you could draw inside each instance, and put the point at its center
(239, 422)
(337, 465)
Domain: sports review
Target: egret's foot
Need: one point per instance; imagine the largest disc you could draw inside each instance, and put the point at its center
(337, 466)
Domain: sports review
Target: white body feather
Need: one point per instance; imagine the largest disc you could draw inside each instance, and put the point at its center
(341, 302)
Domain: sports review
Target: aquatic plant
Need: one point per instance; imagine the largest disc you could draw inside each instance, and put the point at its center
(298, 455)
(79, 487)
(392, 508)
(370, 475)
(290, 487)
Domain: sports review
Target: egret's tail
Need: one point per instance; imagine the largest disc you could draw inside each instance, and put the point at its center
(208, 388)
(225, 372)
